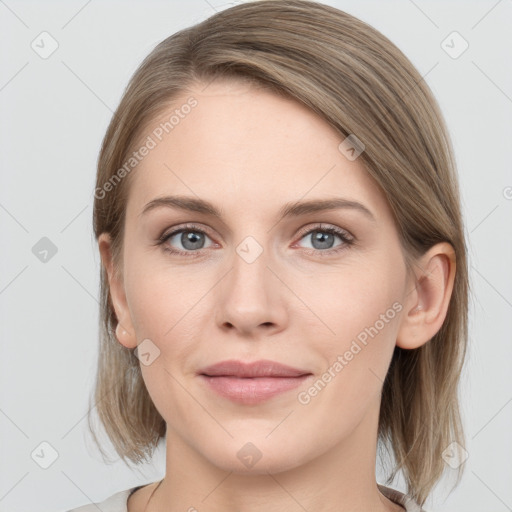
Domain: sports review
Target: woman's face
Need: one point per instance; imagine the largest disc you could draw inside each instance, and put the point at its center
(253, 284)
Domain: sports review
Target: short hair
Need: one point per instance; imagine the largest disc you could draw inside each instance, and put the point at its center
(361, 84)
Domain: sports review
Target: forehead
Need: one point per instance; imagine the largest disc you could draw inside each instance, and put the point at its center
(229, 141)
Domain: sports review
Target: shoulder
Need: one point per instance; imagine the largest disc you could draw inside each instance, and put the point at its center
(402, 499)
(115, 503)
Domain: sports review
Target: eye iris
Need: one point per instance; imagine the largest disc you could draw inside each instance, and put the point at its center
(323, 238)
(189, 238)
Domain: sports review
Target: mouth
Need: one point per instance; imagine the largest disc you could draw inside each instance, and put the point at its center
(252, 383)
(252, 390)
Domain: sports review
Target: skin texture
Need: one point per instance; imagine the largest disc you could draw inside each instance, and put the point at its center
(249, 152)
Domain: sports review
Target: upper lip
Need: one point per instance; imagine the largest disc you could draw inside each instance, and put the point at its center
(262, 368)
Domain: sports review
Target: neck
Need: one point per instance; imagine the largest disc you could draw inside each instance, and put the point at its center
(340, 478)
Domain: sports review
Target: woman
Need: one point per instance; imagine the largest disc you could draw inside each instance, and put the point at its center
(284, 279)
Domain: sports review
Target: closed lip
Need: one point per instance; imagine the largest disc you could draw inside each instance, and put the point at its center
(261, 368)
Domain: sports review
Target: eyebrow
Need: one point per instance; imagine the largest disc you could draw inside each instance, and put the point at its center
(293, 209)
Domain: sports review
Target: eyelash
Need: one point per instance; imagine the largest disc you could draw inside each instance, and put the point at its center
(346, 238)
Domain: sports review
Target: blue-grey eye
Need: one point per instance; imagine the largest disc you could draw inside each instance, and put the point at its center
(190, 240)
(324, 238)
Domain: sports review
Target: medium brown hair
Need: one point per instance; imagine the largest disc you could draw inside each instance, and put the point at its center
(360, 83)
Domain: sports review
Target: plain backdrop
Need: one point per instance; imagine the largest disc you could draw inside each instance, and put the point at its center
(54, 112)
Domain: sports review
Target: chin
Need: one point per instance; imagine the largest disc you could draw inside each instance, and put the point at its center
(256, 457)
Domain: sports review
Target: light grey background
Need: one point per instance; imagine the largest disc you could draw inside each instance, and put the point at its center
(54, 113)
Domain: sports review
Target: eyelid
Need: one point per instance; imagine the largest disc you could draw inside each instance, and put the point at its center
(323, 226)
(347, 238)
(187, 226)
(302, 231)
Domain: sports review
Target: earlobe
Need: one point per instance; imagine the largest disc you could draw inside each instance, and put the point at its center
(124, 337)
(125, 333)
(427, 303)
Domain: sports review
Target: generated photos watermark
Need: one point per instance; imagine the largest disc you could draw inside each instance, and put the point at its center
(342, 360)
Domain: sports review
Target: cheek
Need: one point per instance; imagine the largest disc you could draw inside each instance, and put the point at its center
(168, 308)
(355, 293)
(357, 309)
(168, 311)
(362, 311)
(161, 299)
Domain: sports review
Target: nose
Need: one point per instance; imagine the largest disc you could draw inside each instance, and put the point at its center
(251, 299)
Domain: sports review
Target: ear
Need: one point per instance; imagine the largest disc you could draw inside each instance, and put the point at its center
(427, 303)
(125, 332)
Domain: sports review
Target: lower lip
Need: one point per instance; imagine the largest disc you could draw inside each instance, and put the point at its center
(252, 390)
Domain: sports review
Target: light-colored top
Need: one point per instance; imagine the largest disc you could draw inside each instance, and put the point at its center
(118, 502)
